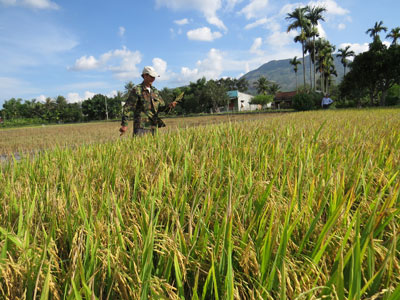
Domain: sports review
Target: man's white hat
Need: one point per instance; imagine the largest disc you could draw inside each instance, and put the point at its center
(150, 70)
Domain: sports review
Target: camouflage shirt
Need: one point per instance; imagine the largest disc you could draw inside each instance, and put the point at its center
(145, 106)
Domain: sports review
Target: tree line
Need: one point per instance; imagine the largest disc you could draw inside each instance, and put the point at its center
(374, 75)
(200, 96)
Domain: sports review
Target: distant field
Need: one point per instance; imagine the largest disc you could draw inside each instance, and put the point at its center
(31, 139)
(291, 206)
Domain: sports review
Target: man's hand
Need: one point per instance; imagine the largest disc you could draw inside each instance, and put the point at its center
(173, 104)
(123, 129)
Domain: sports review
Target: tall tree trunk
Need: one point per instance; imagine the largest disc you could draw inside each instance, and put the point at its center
(383, 97)
(304, 65)
(321, 77)
(296, 83)
(311, 83)
(315, 82)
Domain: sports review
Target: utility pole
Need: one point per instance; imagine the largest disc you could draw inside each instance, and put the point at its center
(106, 107)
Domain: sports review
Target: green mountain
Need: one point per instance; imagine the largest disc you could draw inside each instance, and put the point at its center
(281, 72)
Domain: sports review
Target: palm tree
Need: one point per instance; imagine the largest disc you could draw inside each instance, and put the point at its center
(394, 35)
(374, 31)
(294, 62)
(309, 48)
(344, 54)
(274, 88)
(262, 85)
(325, 62)
(49, 107)
(129, 86)
(314, 14)
(299, 21)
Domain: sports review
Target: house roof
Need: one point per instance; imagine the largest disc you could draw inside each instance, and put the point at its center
(232, 94)
(235, 94)
(285, 95)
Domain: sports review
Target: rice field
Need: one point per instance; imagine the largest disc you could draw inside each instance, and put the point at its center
(295, 206)
(29, 140)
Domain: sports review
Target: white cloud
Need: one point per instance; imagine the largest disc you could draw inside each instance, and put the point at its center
(203, 34)
(161, 68)
(255, 8)
(35, 4)
(88, 95)
(112, 94)
(122, 62)
(321, 31)
(357, 48)
(256, 23)
(76, 97)
(41, 98)
(288, 8)
(73, 98)
(86, 63)
(255, 48)
(211, 67)
(182, 22)
(209, 8)
(331, 6)
(335, 15)
(121, 31)
(189, 75)
(278, 39)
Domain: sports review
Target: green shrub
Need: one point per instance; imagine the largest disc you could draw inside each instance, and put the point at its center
(304, 101)
(262, 99)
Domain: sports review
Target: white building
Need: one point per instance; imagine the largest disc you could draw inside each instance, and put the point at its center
(240, 101)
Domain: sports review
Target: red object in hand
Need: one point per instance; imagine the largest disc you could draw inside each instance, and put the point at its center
(123, 130)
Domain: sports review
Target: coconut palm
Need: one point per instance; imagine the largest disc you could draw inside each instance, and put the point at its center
(374, 31)
(129, 86)
(309, 48)
(298, 16)
(295, 62)
(262, 85)
(394, 34)
(314, 14)
(274, 88)
(325, 62)
(344, 53)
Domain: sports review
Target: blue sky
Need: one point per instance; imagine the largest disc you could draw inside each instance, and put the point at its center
(79, 48)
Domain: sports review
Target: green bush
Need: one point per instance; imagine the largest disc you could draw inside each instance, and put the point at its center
(304, 101)
(262, 99)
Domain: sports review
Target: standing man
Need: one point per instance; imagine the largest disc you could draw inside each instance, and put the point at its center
(326, 101)
(146, 103)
